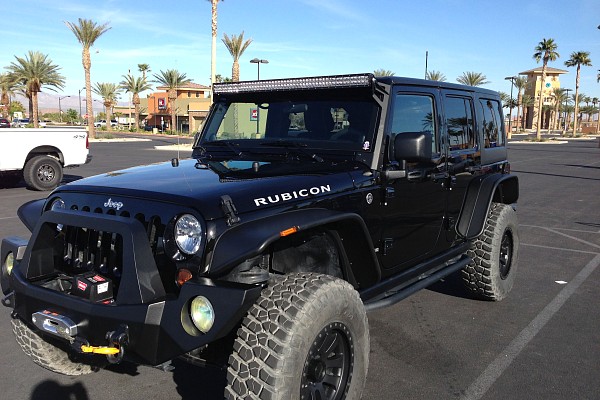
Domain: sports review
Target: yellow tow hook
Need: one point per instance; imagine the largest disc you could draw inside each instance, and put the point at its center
(105, 350)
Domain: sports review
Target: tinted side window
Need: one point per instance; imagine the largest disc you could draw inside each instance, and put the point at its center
(493, 136)
(459, 120)
(415, 113)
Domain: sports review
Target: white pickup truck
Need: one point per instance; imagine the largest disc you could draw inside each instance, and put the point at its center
(39, 155)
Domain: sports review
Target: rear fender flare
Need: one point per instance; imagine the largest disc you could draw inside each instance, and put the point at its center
(250, 239)
(482, 190)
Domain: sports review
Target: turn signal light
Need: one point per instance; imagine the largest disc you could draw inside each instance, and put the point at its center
(288, 231)
(183, 275)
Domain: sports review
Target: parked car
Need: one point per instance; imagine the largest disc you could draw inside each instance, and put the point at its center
(4, 123)
(102, 122)
(149, 128)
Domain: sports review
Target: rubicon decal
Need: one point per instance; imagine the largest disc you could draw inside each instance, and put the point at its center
(296, 194)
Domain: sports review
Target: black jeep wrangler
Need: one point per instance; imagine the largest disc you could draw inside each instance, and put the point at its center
(306, 203)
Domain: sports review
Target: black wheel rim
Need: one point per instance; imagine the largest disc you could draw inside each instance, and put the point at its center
(328, 367)
(506, 253)
(46, 173)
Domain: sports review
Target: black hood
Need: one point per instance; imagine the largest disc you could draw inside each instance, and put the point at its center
(202, 188)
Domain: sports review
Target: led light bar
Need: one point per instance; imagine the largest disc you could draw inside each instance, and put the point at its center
(316, 82)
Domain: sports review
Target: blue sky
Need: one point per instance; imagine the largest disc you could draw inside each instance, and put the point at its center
(309, 37)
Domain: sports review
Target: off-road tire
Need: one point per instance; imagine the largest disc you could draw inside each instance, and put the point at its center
(45, 354)
(491, 274)
(43, 173)
(307, 335)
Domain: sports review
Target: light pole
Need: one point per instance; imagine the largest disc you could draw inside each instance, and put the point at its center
(59, 108)
(258, 61)
(512, 82)
(566, 105)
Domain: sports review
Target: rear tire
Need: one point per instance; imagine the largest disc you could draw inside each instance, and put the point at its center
(306, 337)
(491, 274)
(45, 354)
(43, 173)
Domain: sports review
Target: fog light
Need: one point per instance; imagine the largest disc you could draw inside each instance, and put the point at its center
(9, 263)
(202, 313)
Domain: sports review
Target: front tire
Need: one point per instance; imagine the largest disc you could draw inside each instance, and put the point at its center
(491, 274)
(45, 354)
(306, 337)
(43, 173)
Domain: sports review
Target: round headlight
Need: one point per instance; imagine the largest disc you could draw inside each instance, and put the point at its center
(57, 204)
(9, 263)
(202, 313)
(188, 234)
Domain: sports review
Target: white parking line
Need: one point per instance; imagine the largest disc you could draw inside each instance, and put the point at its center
(558, 248)
(494, 370)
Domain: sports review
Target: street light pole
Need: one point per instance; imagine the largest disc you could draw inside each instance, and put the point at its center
(512, 81)
(258, 61)
(59, 108)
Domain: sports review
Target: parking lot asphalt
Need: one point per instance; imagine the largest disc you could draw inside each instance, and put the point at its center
(542, 342)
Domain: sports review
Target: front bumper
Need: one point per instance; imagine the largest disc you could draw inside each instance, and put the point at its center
(158, 325)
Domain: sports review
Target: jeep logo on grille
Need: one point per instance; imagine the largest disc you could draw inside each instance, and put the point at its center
(113, 204)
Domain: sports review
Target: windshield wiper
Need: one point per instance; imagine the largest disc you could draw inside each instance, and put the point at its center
(230, 145)
(299, 147)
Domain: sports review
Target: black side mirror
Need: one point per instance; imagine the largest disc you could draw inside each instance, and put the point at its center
(412, 147)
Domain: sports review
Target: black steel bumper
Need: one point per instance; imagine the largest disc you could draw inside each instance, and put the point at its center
(158, 325)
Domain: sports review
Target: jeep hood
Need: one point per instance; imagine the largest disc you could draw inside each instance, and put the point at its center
(202, 188)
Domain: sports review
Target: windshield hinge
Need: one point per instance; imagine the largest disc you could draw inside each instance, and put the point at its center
(229, 210)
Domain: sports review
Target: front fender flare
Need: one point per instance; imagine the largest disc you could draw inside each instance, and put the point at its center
(252, 238)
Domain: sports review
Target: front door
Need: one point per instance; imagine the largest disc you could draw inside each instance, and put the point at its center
(412, 216)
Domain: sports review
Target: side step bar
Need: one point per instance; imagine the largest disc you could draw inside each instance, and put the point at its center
(401, 293)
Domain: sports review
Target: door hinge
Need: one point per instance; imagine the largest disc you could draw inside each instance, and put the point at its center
(387, 246)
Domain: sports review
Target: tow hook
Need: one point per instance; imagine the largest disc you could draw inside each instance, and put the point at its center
(118, 338)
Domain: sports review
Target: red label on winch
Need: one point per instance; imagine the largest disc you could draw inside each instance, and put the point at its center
(98, 278)
(81, 285)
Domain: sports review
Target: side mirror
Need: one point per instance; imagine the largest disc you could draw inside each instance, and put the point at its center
(412, 147)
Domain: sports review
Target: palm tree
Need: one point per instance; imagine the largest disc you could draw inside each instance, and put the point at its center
(213, 53)
(436, 76)
(7, 89)
(135, 86)
(559, 96)
(36, 71)
(545, 51)
(109, 93)
(236, 46)
(578, 58)
(172, 79)
(383, 72)
(520, 83)
(144, 69)
(87, 32)
(470, 78)
(526, 102)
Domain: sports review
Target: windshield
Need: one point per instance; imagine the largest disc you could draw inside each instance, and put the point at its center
(330, 124)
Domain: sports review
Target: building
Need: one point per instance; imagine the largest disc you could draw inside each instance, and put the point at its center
(535, 87)
(191, 107)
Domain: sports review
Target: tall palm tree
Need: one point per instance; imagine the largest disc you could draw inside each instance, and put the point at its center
(383, 72)
(436, 76)
(36, 71)
(578, 58)
(544, 51)
(109, 93)
(135, 86)
(470, 78)
(172, 79)
(236, 46)
(213, 52)
(520, 83)
(144, 69)
(87, 32)
(7, 89)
